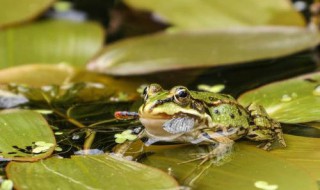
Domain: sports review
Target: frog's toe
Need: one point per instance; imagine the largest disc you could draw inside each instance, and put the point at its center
(266, 145)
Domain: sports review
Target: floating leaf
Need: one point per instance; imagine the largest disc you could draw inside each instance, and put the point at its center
(125, 135)
(13, 13)
(167, 51)
(88, 172)
(6, 185)
(248, 165)
(20, 130)
(204, 14)
(289, 101)
(50, 42)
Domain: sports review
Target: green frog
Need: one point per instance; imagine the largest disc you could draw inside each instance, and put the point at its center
(182, 115)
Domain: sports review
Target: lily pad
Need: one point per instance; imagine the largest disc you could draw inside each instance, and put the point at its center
(167, 51)
(248, 166)
(50, 41)
(88, 172)
(13, 13)
(290, 101)
(196, 14)
(303, 152)
(21, 130)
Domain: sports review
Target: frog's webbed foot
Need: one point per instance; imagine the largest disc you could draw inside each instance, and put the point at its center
(220, 148)
(264, 128)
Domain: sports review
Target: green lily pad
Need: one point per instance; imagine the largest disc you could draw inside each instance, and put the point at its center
(290, 101)
(196, 14)
(248, 167)
(303, 152)
(12, 12)
(20, 132)
(88, 172)
(167, 51)
(50, 42)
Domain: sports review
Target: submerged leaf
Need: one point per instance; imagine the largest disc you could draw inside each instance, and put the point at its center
(88, 172)
(37, 75)
(167, 51)
(289, 101)
(195, 14)
(20, 130)
(50, 41)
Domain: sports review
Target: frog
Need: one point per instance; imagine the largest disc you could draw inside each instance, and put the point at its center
(199, 117)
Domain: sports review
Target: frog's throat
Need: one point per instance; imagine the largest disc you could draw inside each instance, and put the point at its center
(154, 128)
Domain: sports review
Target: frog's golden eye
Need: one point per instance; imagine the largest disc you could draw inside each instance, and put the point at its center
(151, 90)
(182, 95)
(154, 89)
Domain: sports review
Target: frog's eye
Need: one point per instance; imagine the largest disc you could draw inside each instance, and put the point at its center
(182, 95)
(151, 90)
(154, 89)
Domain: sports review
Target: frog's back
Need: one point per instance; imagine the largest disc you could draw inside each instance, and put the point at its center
(211, 98)
(224, 110)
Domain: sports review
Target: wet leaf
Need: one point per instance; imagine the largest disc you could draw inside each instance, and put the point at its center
(247, 166)
(50, 41)
(13, 13)
(167, 51)
(196, 14)
(20, 130)
(88, 172)
(289, 101)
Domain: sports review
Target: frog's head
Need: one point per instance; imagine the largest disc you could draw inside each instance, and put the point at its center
(162, 105)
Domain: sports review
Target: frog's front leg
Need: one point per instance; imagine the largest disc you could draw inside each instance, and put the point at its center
(264, 128)
(220, 146)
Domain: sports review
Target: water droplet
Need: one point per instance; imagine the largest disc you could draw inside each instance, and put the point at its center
(316, 91)
(286, 98)
(265, 185)
(75, 137)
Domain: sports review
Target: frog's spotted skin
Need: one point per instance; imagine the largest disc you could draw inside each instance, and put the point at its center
(180, 115)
